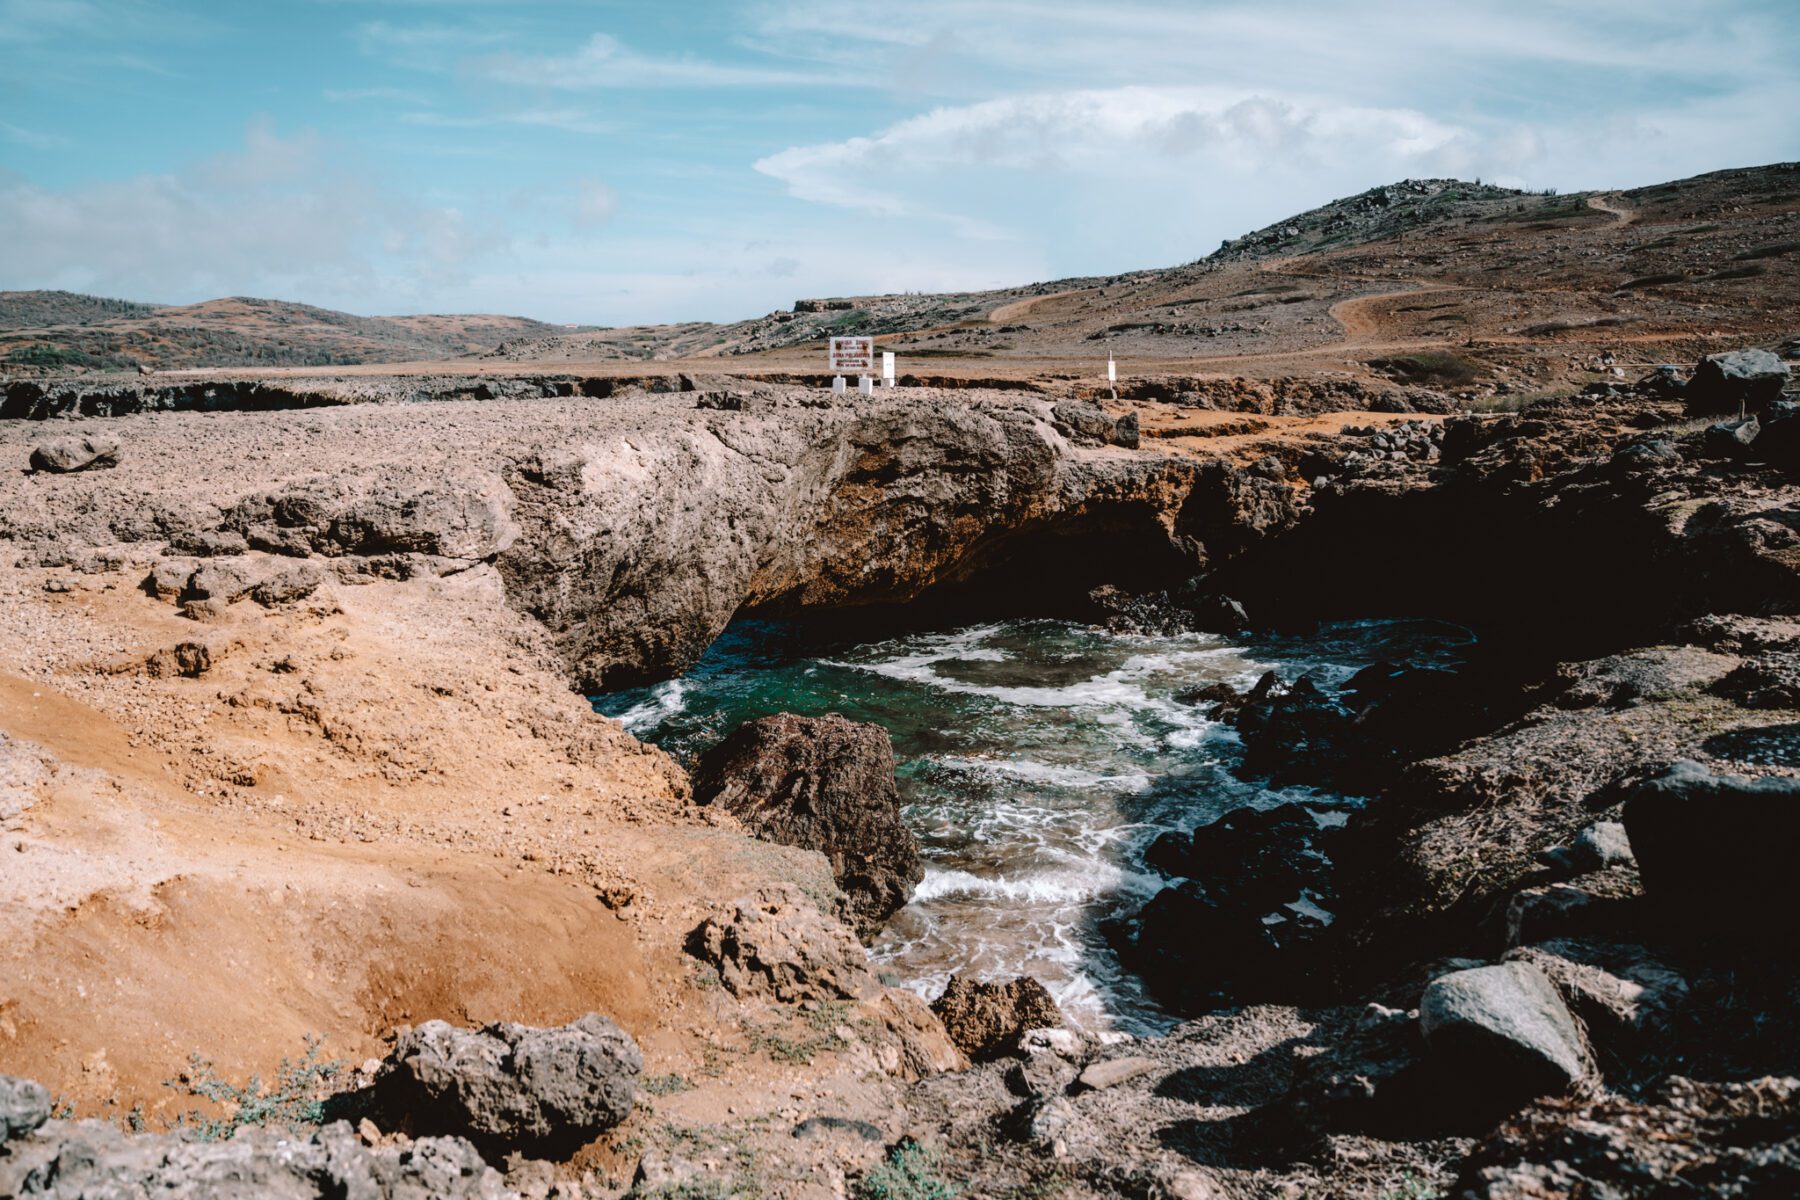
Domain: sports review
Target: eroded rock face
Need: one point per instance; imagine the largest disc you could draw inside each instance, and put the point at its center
(1506, 1031)
(826, 784)
(62, 455)
(96, 1159)
(776, 944)
(986, 1018)
(1699, 1139)
(513, 1085)
(24, 1105)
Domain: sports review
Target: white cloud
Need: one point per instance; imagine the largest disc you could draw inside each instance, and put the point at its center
(277, 218)
(568, 120)
(595, 203)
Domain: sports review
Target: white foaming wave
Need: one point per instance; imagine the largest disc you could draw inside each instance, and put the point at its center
(664, 701)
(1053, 774)
(1090, 882)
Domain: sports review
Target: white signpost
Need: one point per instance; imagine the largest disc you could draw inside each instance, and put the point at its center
(1112, 375)
(887, 368)
(852, 355)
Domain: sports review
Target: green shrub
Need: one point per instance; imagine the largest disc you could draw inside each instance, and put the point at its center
(910, 1173)
(295, 1100)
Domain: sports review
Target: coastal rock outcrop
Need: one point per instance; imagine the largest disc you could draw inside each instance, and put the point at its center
(986, 1018)
(96, 1158)
(774, 943)
(826, 784)
(513, 1085)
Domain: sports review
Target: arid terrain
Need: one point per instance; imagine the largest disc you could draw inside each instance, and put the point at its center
(295, 743)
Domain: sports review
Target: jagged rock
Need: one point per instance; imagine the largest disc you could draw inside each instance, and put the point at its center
(24, 1105)
(1625, 996)
(775, 943)
(89, 1160)
(1730, 439)
(1716, 851)
(1769, 681)
(1091, 423)
(1694, 1139)
(208, 543)
(920, 1044)
(1596, 901)
(1504, 1030)
(266, 581)
(1599, 846)
(188, 660)
(513, 1085)
(1258, 856)
(62, 455)
(1195, 949)
(1723, 382)
(985, 1019)
(825, 784)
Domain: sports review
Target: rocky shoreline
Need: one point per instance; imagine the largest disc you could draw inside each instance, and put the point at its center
(1544, 961)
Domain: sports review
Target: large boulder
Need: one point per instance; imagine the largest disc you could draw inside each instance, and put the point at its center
(513, 1086)
(826, 784)
(1715, 851)
(1504, 1033)
(93, 1159)
(1747, 378)
(775, 944)
(24, 1105)
(985, 1019)
(62, 455)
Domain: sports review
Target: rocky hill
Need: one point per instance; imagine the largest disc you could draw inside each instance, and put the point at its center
(62, 329)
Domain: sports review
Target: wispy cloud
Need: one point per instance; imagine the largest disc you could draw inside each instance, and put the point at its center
(566, 119)
(604, 62)
(36, 139)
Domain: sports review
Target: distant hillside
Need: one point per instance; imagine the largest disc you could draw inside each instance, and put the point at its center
(1379, 213)
(36, 310)
(63, 329)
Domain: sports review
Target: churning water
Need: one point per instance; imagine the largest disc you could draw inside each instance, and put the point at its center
(1037, 759)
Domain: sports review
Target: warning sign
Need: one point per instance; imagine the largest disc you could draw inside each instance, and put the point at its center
(852, 355)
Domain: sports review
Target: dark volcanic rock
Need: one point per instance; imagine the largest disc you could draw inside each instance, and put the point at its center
(1695, 1139)
(61, 455)
(78, 1160)
(775, 943)
(1506, 1031)
(513, 1085)
(985, 1019)
(826, 784)
(24, 1105)
(1716, 851)
(1722, 382)
(1258, 856)
(1771, 681)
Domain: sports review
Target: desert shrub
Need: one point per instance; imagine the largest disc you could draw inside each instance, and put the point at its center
(909, 1173)
(1429, 367)
(1773, 250)
(295, 1100)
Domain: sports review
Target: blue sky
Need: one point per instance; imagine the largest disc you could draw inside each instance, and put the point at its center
(616, 163)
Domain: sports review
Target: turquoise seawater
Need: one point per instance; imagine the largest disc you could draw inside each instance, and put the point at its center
(1036, 760)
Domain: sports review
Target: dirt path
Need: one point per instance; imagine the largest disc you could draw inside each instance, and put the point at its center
(1018, 308)
(1361, 324)
(1622, 215)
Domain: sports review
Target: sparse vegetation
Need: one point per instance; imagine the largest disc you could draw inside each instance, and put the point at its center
(909, 1173)
(1773, 250)
(1439, 367)
(667, 1085)
(295, 1100)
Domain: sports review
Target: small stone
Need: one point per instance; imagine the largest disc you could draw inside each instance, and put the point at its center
(1505, 1032)
(1114, 1071)
(24, 1106)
